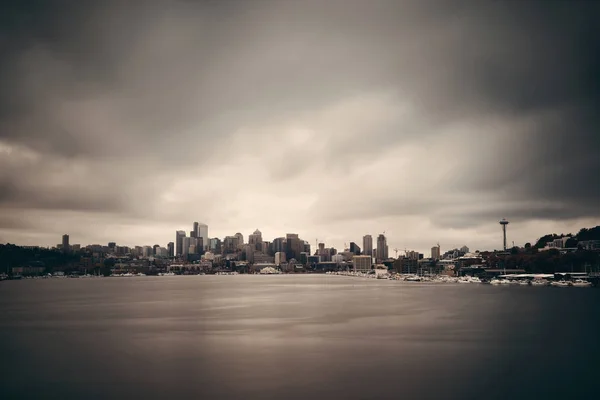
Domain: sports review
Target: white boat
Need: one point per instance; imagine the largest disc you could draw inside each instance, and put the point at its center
(581, 283)
(539, 282)
(524, 282)
(269, 271)
(561, 284)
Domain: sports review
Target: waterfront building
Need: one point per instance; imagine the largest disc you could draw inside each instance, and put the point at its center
(338, 259)
(590, 245)
(313, 260)
(346, 256)
(362, 263)
(260, 257)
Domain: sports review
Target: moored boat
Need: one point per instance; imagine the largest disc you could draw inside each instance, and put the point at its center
(581, 283)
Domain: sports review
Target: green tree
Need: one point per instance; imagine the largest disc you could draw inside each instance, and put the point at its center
(571, 242)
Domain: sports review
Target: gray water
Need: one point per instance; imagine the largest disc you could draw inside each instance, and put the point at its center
(295, 337)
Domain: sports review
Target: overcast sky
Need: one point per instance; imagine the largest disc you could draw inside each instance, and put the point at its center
(428, 120)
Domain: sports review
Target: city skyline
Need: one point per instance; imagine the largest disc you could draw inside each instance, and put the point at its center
(256, 238)
(331, 120)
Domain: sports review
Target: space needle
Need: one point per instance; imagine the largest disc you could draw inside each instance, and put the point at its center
(504, 222)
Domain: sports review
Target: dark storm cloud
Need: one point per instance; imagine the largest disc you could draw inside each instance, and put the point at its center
(148, 89)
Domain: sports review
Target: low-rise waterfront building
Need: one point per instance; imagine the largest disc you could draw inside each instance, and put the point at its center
(362, 263)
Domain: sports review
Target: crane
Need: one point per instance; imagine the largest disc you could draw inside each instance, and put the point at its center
(396, 251)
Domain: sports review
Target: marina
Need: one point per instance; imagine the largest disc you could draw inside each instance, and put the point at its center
(546, 280)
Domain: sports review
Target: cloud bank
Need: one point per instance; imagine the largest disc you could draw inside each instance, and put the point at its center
(427, 120)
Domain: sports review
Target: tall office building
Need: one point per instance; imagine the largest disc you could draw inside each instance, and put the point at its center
(215, 245)
(179, 235)
(185, 246)
(171, 249)
(147, 251)
(203, 233)
(435, 252)
(195, 230)
(321, 249)
(293, 246)
(255, 240)
(240, 239)
(382, 248)
(65, 243)
(354, 249)
(230, 244)
(368, 245)
(307, 247)
(195, 244)
(267, 248)
(278, 244)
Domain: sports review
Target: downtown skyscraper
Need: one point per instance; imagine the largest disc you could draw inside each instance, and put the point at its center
(179, 235)
(368, 245)
(382, 248)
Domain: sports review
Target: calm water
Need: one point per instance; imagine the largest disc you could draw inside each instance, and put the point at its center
(295, 337)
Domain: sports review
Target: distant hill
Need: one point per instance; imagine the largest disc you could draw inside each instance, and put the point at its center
(583, 234)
